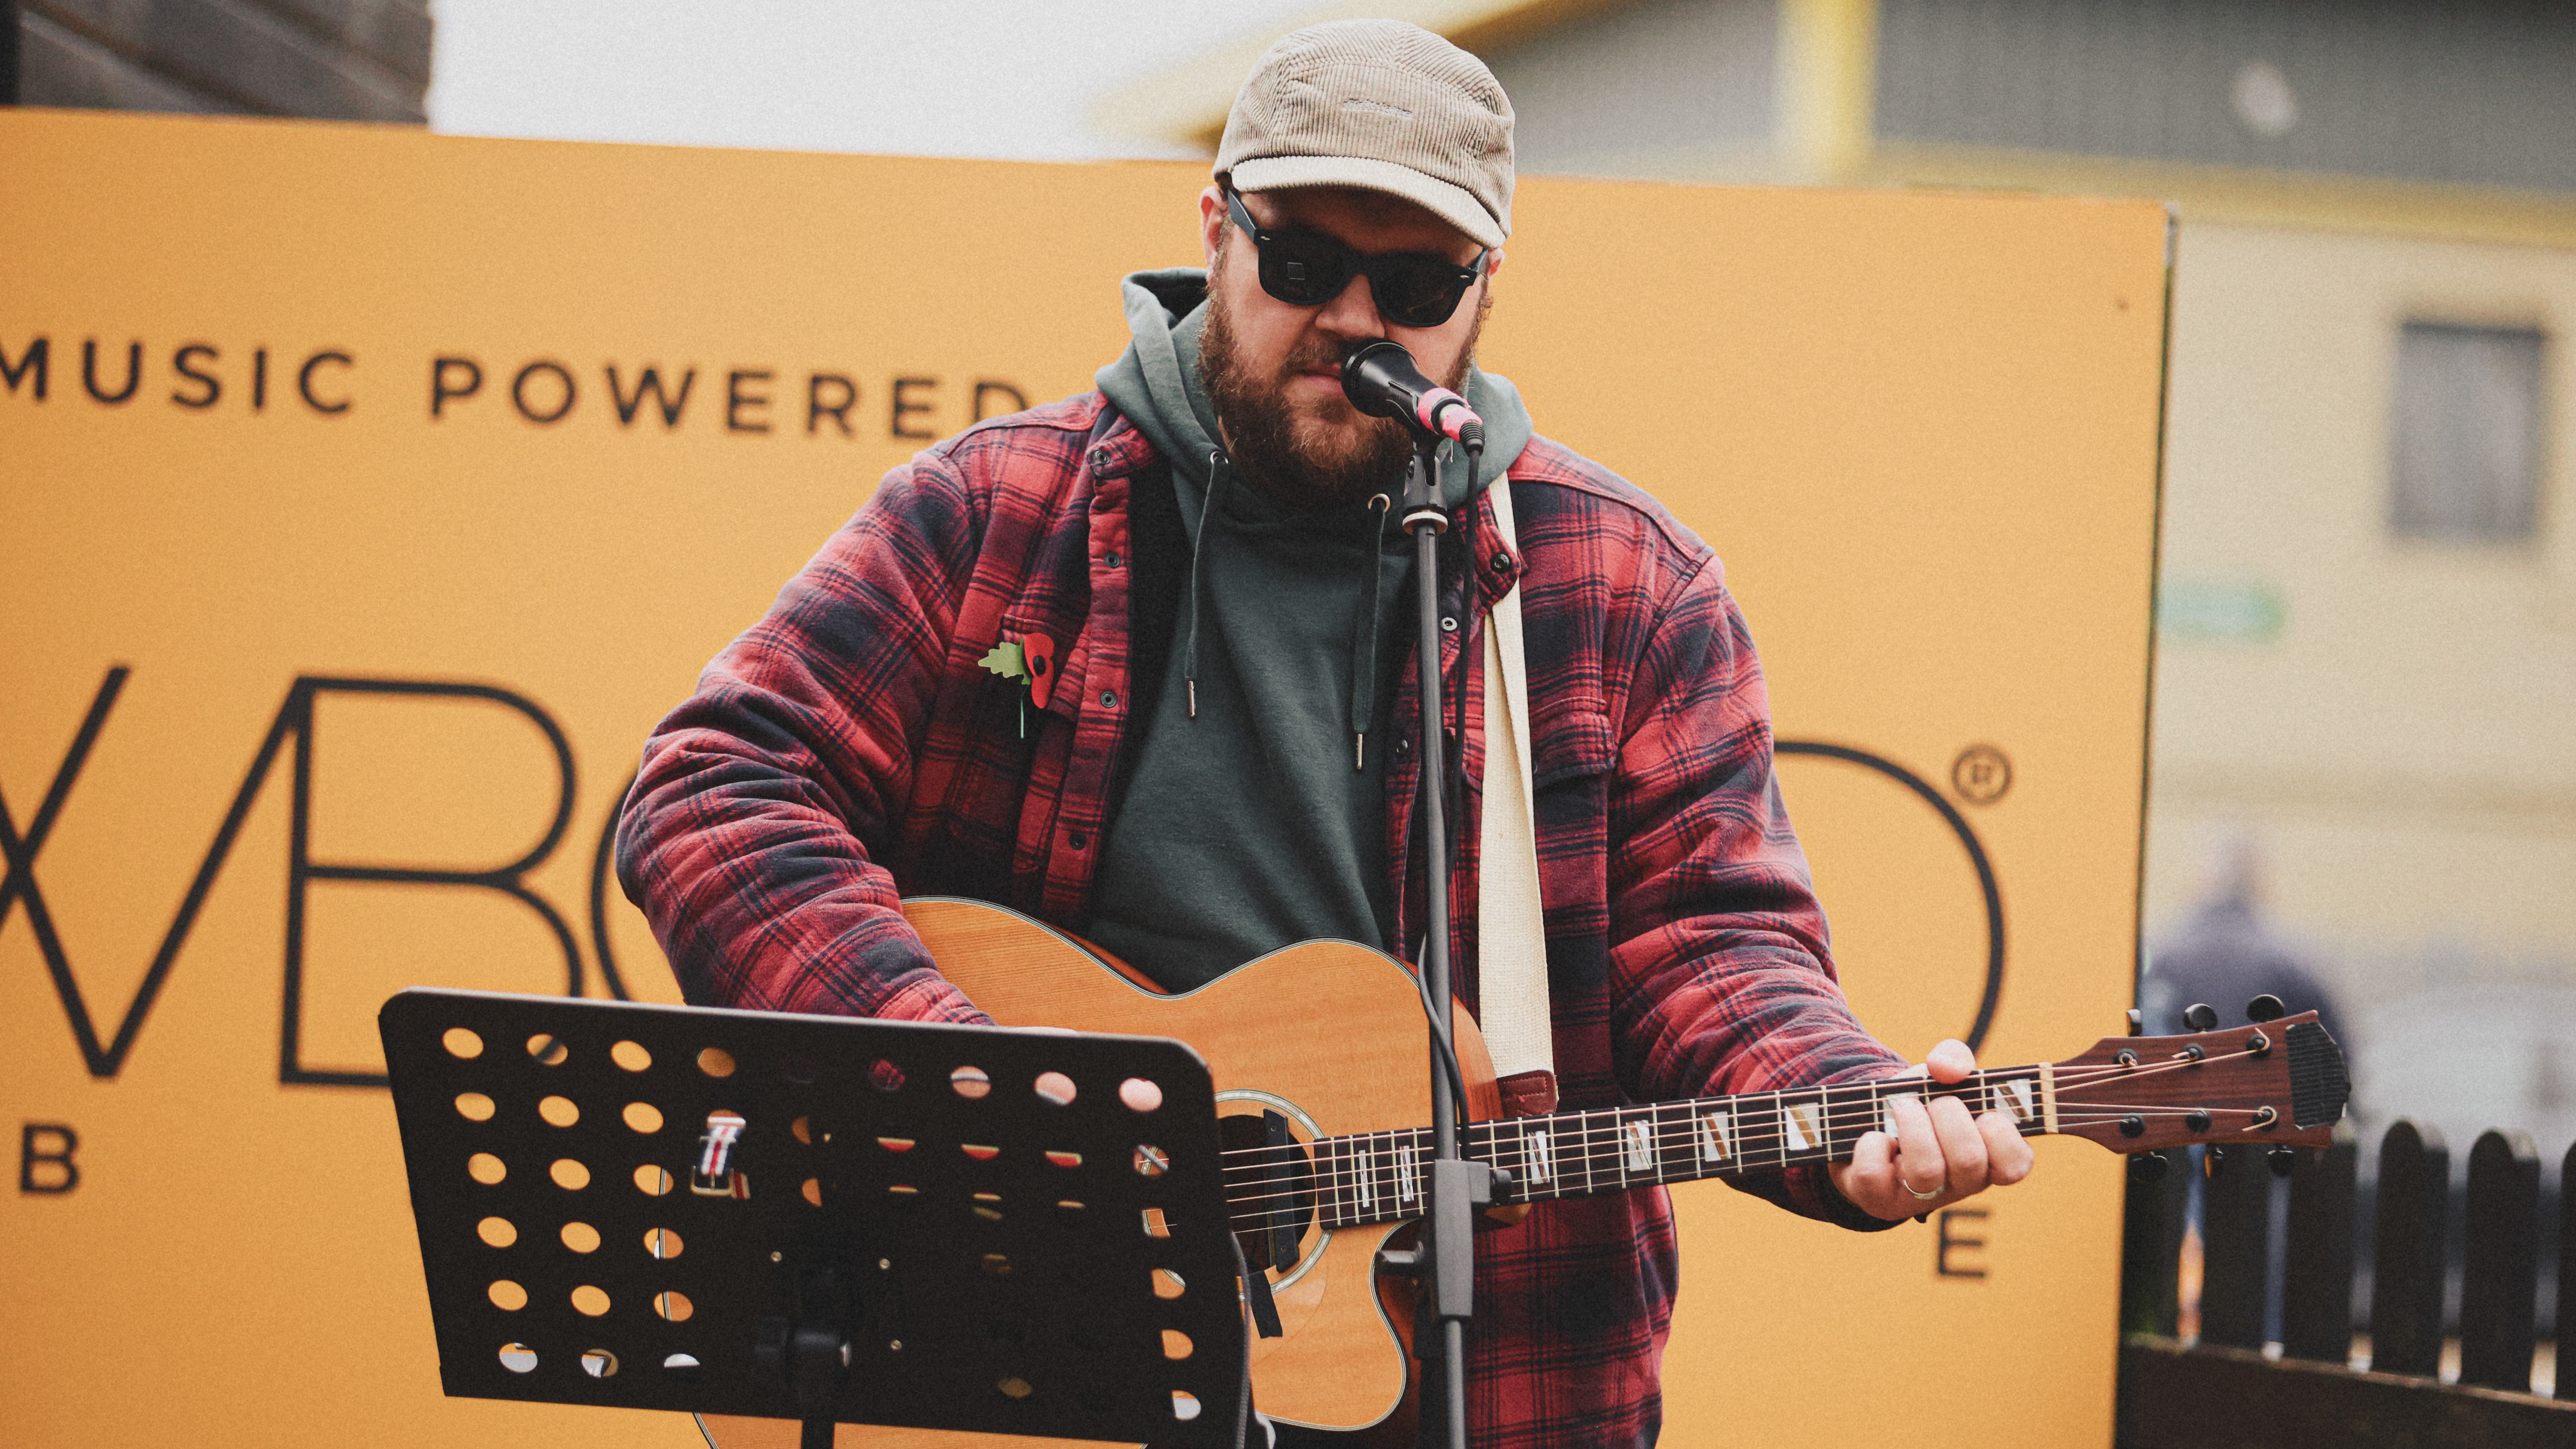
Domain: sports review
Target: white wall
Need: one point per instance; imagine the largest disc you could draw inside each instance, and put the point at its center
(2405, 745)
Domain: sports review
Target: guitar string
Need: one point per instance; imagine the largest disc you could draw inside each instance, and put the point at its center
(1666, 1134)
(2067, 1080)
(1342, 1212)
(1590, 1146)
(1342, 1190)
(1616, 1143)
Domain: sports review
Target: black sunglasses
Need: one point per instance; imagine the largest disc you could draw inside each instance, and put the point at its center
(1308, 269)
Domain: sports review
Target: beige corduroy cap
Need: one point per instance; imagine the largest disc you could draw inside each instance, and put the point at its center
(1381, 105)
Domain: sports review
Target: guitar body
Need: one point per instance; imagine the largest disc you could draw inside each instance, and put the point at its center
(1326, 1041)
(1327, 1033)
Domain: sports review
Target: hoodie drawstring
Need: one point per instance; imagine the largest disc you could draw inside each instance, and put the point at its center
(1198, 546)
(1364, 635)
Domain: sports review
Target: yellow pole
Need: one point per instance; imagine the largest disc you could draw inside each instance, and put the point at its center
(1828, 87)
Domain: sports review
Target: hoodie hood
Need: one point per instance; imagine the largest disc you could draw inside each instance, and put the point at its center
(1155, 382)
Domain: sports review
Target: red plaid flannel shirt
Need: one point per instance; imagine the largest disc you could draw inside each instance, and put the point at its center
(849, 748)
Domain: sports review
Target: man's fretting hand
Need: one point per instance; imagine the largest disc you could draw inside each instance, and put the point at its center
(1939, 1155)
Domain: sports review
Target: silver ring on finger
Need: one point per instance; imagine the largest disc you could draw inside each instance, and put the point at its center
(1917, 1196)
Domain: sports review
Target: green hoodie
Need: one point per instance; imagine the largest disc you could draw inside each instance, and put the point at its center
(1258, 819)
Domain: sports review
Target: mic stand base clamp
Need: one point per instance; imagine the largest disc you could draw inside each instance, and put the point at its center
(812, 1354)
(1460, 1188)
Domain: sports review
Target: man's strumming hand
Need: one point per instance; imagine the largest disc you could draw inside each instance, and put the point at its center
(1938, 1150)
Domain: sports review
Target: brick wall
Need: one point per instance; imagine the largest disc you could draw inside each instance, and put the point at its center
(362, 60)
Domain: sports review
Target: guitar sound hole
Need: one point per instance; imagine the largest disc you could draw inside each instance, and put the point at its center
(1270, 1179)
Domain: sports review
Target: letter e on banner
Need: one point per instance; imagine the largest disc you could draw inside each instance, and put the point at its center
(903, 409)
(1956, 1254)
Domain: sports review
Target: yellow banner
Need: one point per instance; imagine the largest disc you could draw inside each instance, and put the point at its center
(370, 494)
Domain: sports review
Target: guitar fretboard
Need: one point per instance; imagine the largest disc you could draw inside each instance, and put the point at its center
(1384, 1176)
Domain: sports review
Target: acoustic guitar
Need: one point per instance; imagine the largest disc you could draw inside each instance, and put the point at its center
(1319, 1054)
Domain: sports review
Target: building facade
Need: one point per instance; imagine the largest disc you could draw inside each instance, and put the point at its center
(353, 60)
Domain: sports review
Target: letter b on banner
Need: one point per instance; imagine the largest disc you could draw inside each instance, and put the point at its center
(45, 1166)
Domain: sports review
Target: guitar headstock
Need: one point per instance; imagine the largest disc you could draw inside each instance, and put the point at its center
(2268, 1083)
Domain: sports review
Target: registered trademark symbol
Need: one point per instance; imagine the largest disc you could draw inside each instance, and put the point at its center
(1981, 774)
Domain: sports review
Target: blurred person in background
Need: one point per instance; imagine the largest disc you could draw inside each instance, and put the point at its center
(2225, 953)
(2228, 950)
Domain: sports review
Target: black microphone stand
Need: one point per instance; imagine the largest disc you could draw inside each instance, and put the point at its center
(1445, 1264)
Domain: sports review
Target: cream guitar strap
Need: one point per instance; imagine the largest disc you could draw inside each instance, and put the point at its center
(1511, 962)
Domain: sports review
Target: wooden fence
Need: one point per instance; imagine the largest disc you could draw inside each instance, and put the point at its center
(2225, 1391)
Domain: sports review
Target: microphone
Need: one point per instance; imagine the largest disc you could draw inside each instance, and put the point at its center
(1380, 380)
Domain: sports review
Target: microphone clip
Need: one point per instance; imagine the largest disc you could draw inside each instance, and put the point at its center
(1421, 500)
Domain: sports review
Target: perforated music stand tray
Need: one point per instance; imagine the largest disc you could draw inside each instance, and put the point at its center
(995, 1259)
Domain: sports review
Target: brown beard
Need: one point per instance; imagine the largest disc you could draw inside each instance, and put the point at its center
(1261, 434)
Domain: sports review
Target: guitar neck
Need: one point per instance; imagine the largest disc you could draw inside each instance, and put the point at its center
(1382, 1176)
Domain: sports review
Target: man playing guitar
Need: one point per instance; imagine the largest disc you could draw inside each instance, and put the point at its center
(1139, 663)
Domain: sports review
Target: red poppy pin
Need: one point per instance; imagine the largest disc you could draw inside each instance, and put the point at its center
(1030, 659)
(1041, 656)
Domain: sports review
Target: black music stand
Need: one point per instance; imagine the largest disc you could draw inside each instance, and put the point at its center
(820, 1218)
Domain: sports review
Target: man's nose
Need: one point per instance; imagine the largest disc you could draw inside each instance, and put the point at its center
(1352, 313)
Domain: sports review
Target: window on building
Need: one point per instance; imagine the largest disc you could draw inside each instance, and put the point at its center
(2465, 465)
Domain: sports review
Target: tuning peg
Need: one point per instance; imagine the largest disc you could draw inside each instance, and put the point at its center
(2284, 1161)
(2148, 1168)
(2137, 1023)
(2265, 1007)
(2200, 1016)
